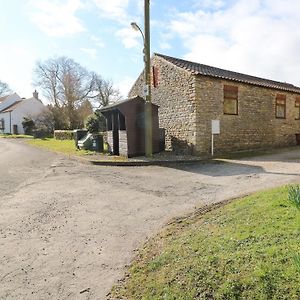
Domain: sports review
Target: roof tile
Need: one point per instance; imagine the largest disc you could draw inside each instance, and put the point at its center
(205, 70)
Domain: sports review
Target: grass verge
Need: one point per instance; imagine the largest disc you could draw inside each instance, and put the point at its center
(243, 250)
(68, 147)
(62, 146)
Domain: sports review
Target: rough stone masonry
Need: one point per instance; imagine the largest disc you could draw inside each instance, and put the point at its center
(188, 101)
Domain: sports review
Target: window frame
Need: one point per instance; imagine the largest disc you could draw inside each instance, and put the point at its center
(155, 76)
(297, 106)
(231, 93)
(278, 99)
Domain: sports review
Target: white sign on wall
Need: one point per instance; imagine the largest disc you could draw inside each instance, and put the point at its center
(146, 90)
(215, 126)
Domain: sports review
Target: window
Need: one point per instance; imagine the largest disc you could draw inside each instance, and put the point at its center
(280, 109)
(2, 124)
(230, 100)
(155, 76)
(297, 106)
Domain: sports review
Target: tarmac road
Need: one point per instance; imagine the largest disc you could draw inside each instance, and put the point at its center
(68, 230)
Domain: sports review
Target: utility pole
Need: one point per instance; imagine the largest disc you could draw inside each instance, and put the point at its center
(148, 108)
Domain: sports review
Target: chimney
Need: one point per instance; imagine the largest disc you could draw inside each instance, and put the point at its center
(36, 95)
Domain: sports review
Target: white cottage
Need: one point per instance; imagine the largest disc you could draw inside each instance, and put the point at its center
(13, 109)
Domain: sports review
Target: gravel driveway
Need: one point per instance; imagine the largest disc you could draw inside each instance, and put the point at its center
(67, 230)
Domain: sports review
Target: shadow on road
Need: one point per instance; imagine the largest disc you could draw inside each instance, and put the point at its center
(220, 168)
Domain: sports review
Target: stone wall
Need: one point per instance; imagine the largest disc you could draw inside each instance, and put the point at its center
(175, 95)
(188, 103)
(255, 126)
(110, 141)
(123, 149)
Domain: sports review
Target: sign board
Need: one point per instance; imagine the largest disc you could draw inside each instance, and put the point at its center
(215, 126)
(146, 90)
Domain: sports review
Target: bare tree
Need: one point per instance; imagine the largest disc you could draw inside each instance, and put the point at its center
(66, 84)
(4, 88)
(105, 92)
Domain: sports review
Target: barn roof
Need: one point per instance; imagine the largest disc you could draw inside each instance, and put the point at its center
(119, 103)
(205, 70)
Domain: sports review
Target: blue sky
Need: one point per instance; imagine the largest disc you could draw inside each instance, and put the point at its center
(257, 37)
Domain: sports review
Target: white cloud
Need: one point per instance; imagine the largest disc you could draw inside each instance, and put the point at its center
(254, 37)
(129, 37)
(209, 4)
(17, 74)
(91, 52)
(165, 45)
(56, 17)
(113, 9)
(125, 85)
(97, 41)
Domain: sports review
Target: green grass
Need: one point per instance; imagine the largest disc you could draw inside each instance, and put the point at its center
(16, 136)
(62, 146)
(243, 250)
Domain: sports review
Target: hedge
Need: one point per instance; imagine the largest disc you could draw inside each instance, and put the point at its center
(64, 134)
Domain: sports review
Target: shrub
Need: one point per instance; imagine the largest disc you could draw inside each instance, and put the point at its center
(96, 123)
(28, 125)
(64, 134)
(92, 124)
(44, 125)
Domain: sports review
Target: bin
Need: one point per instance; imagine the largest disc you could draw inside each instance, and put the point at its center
(97, 143)
(78, 135)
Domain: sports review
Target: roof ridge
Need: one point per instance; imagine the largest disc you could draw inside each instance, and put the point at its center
(206, 70)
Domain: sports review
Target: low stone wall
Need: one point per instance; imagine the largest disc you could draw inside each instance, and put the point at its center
(123, 148)
(109, 140)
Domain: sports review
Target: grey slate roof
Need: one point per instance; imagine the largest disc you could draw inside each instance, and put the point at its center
(11, 107)
(3, 98)
(200, 69)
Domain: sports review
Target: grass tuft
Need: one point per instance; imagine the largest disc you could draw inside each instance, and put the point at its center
(294, 196)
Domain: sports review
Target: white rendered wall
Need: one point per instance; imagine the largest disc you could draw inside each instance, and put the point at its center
(27, 108)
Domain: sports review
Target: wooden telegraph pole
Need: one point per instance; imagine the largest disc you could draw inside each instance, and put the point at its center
(148, 108)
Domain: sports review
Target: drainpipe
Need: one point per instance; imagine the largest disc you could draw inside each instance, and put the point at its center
(10, 122)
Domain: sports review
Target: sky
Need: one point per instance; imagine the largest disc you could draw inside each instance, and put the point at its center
(256, 37)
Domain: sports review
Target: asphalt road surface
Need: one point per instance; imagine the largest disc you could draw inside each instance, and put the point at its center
(68, 230)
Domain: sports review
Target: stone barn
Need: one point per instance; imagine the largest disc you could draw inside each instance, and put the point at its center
(253, 112)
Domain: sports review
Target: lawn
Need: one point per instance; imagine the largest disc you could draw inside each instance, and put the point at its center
(68, 147)
(62, 146)
(243, 250)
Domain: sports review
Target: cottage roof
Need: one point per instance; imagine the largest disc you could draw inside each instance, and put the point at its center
(11, 107)
(200, 69)
(3, 98)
